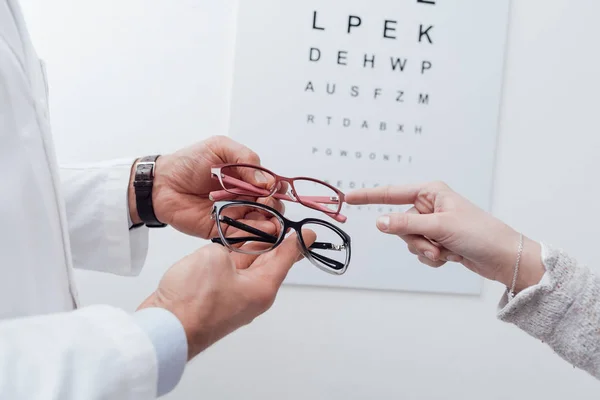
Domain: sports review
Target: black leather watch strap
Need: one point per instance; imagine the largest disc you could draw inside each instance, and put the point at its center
(143, 183)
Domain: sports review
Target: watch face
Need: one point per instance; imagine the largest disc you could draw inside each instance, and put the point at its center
(144, 171)
(145, 167)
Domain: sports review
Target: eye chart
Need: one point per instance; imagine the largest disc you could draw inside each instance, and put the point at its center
(370, 93)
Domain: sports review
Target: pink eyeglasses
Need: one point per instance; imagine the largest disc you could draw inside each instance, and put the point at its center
(309, 192)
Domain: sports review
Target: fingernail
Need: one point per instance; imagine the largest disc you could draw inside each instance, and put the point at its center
(454, 258)
(430, 255)
(383, 223)
(260, 177)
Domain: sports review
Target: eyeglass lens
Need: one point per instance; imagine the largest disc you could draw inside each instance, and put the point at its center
(330, 249)
(316, 195)
(250, 229)
(308, 192)
(236, 176)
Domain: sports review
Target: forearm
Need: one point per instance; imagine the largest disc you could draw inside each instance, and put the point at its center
(531, 268)
(562, 310)
(97, 352)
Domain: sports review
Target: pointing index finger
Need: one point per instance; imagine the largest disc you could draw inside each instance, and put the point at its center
(400, 195)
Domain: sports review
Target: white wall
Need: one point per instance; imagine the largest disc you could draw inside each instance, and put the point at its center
(162, 67)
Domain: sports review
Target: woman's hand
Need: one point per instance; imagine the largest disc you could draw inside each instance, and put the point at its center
(443, 226)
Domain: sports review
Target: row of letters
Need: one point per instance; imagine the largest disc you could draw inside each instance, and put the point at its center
(344, 58)
(375, 93)
(363, 124)
(361, 155)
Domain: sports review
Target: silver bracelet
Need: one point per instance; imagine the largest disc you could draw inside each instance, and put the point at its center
(511, 292)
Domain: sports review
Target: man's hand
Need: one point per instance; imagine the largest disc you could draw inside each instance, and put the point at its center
(183, 181)
(214, 292)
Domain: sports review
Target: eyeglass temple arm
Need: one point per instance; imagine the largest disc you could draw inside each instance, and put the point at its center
(238, 240)
(328, 246)
(264, 237)
(249, 229)
(220, 195)
(327, 261)
(263, 192)
(243, 185)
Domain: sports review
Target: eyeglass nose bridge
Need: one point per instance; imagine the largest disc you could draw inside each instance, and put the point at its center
(292, 193)
(300, 243)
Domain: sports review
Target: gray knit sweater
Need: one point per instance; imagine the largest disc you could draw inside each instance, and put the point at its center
(563, 310)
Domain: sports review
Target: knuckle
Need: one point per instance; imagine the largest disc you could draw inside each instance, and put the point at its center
(387, 194)
(217, 139)
(213, 254)
(384, 195)
(440, 185)
(253, 156)
(250, 157)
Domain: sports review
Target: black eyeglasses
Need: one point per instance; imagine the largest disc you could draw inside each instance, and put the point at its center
(253, 228)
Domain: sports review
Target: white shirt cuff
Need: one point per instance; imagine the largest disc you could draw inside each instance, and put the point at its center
(170, 343)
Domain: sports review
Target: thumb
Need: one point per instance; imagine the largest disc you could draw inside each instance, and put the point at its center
(257, 176)
(280, 261)
(412, 224)
(228, 151)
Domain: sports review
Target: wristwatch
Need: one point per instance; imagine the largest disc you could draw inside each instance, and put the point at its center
(143, 183)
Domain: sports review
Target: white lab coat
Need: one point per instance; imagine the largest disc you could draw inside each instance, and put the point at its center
(51, 220)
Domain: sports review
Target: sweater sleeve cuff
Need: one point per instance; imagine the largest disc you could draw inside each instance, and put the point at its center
(537, 308)
(170, 344)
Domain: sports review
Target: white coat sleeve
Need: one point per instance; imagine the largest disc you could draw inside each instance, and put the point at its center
(97, 352)
(98, 218)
